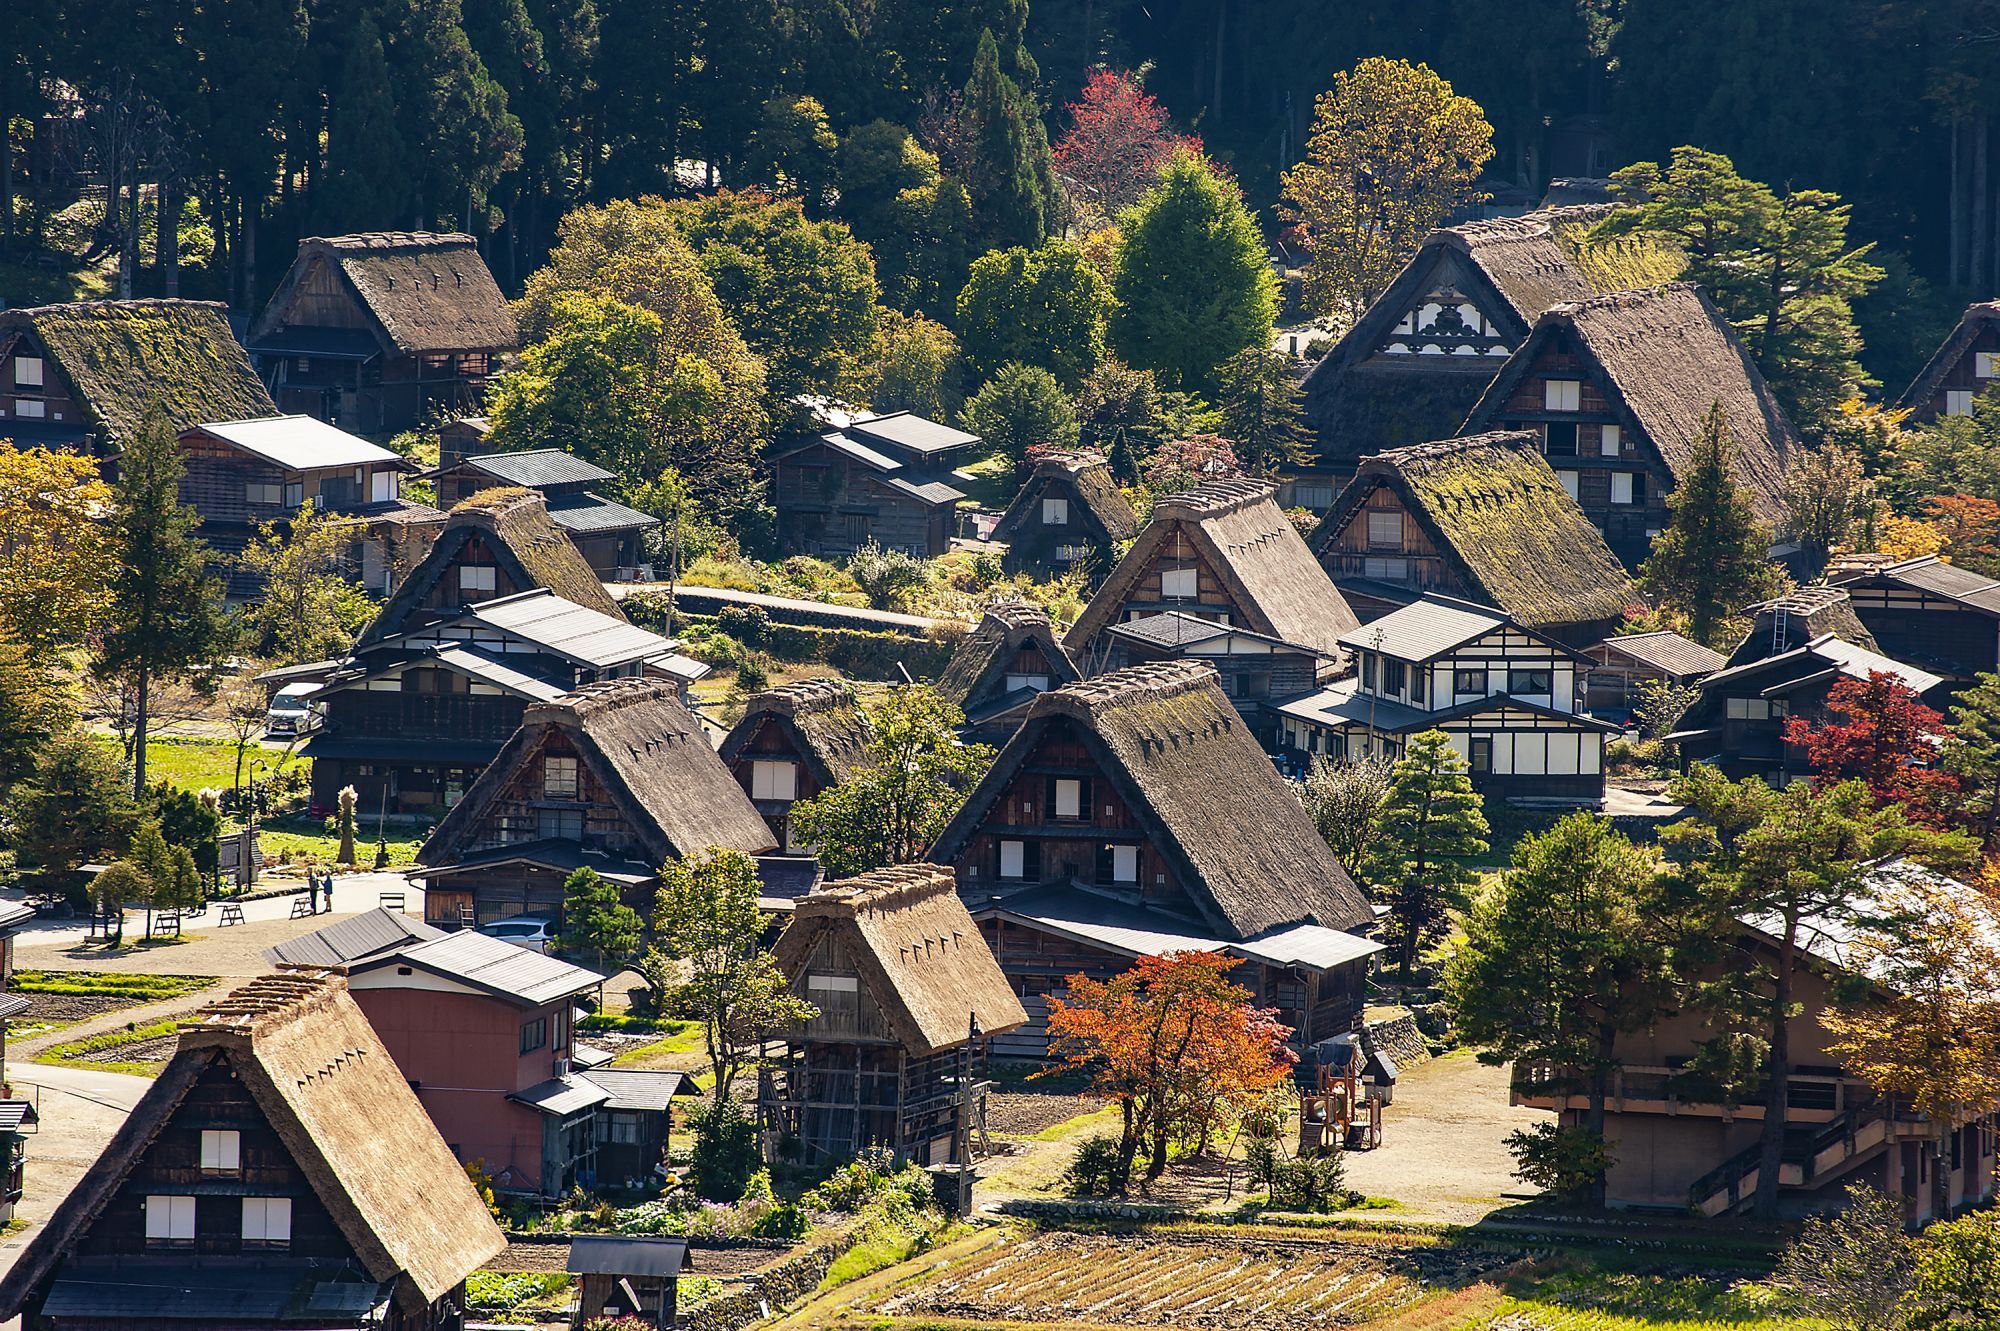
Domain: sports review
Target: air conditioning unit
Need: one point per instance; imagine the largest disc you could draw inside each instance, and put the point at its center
(562, 1067)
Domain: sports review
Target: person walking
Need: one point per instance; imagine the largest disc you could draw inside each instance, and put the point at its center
(326, 891)
(312, 891)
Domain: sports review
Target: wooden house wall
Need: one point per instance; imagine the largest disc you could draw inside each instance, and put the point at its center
(1456, 325)
(1070, 849)
(1176, 551)
(63, 414)
(1910, 625)
(1414, 560)
(449, 595)
(1628, 528)
(1963, 376)
(1035, 545)
(523, 810)
(1497, 654)
(323, 299)
(1757, 747)
(830, 505)
(171, 1166)
(502, 891)
(775, 740)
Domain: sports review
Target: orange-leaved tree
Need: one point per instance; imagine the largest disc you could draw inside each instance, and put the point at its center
(1175, 1044)
(1877, 731)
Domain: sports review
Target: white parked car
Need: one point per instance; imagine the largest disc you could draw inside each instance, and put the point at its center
(529, 931)
(290, 713)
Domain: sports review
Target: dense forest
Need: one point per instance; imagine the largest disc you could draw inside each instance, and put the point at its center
(264, 120)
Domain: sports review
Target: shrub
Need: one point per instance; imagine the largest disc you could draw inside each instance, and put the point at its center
(748, 624)
(1312, 1183)
(1558, 1159)
(784, 1221)
(752, 674)
(886, 576)
(725, 1151)
(1095, 1171)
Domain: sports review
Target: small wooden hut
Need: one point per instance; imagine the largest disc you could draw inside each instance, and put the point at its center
(794, 741)
(627, 1275)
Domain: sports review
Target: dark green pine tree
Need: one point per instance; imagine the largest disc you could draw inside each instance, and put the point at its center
(167, 617)
(367, 185)
(1714, 557)
(463, 138)
(1007, 169)
(1261, 413)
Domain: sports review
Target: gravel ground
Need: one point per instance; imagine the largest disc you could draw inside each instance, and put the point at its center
(158, 1049)
(1444, 1143)
(1025, 1113)
(74, 1007)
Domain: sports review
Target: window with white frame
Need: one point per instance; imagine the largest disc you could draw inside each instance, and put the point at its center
(169, 1222)
(1621, 487)
(1749, 709)
(1386, 568)
(1069, 798)
(32, 408)
(1562, 394)
(1958, 402)
(1124, 864)
(1013, 859)
(267, 1222)
(382, 487)
(772, 779)
(1610, 440)
(221, 1151)
(1983, 363)
(478, 578)
(1385, 529)
(1177, 582)
(1055, 512)
(28, 372)
(1568, 479)
(1039, 683)
(558, 777)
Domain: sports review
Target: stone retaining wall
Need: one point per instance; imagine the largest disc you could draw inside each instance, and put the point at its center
(1399, 1038)
(768, 1292)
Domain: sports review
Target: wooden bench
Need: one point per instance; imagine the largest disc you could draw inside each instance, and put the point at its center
(302, 908)
(232, 913)
(395, 901)
(167, 922)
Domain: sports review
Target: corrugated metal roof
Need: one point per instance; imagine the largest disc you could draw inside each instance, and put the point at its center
(587, 512)
(492, 670)
(1310, 945)
(343, 942)
(269, 1290)
(1855, 662)
(1668, 653)
(575, 631)
(14, 914)
(300, 443)
(915, 434)
(931, 492)
(860, 452)
(535, 467)
(1170, 628)
(559, 1097)
(622, 1255)
(1140, 931)
(1424, 629)
(498, 967)
(639, 1090)
(588, 1056)
(550, 853)
(13, 1113)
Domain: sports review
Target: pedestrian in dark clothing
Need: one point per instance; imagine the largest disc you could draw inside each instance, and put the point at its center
(312, 892)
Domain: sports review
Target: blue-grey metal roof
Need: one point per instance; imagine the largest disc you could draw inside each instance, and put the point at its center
(1668, 652)
(915, 434)
(1424, 630)
(1169, 628)
(575, 631)
(300, 443)
(588, 1056)
(14, 914)
(492, 670)
(931, 492)
(550, 853)
(587, 512)
(269, 1290)
(13, 1113)
(497, 967)
(640, 1090)
(369, 934)
(626, 1255)
(559, 1097)
(535, 467)
(1140, 931)
(783, 879)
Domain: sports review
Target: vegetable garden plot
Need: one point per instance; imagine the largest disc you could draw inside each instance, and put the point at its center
(1208, 1283)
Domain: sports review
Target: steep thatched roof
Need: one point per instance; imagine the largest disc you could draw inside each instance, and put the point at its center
(527, 544)
(823, 718)
(1799, 617)
(917, 949)
(1977, 319)
(1665, 354)
(122, 357)
(1275, 584)
(650, 753)
(1511, 268)
(978, 668)
(319, 1074)
(1097, 506)
(1206, 794)
(423, 291)
(1496, 512)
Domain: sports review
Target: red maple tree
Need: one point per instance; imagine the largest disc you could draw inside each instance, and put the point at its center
(1175, 1044)
(1117, 138)
(1878, 732)
(1182, 464)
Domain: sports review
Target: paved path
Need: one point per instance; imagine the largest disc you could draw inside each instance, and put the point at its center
(50, 938)
(79, 1110)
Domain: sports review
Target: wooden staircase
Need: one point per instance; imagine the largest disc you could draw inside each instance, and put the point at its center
(1811, 1157)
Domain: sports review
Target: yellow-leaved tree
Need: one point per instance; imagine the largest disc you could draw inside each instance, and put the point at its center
(55, 554)
(1393, 152)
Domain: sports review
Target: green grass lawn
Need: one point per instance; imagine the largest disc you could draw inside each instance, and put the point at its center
(79, 1053)
(989, 482)
(195, 764)
(299, 835)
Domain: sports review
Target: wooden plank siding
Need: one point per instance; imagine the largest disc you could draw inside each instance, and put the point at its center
(830, 505)
(52, 406)
(1926, 628)
(1962, 377)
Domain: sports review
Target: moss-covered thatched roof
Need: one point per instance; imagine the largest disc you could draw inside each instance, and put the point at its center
(825, 720)
(1977, 319)
(124, 357)
(1099, 508)
(1497, 514)
(423, 291)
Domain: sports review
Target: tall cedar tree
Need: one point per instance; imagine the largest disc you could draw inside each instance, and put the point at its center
(1044, 307)
(1022, 408)
(1430, 822)
(1777, 263)
(1117, 140)
(166, 617)
(1928, 1029)
(1394, 151)
(1972, 754)
(1172, 1042)
(1877, 732)
(1191, 282)
(1261, 411)
(1562, 955)
(1794, 860)
(912, 778)
(1713, 558)
(1007, 170)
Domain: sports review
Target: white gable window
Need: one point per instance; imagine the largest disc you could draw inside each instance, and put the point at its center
(1385, 529)
(1958, 402)
(1178, 583)
(1562, 394)
(263, 492)
(1610, 440)
(478, 578)
(30, 407)
(559, 777)
(267, 1222)
(221, 1152)
(382, 487)
(771, 780)
(28, 372)
(1983, 363)
(1013, 859)
(1124, 864)
(1055, 512)
(1069, 798)
(1039, 683)
(169, 1221)
(1621, 487)
(1568, 479)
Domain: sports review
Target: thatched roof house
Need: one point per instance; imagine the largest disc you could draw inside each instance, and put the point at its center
(1223, 548)
(916, 950)
(794, 741)
(1785, 623)
(345, 1195)
(1418, 359)
(1000, 666)
(1483, 518)
(1618, 388)
(1965, 366)
(84, 375)
(1069, 513)
(508, 531)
